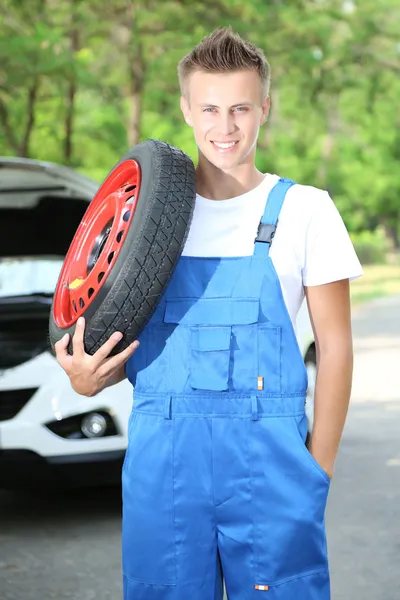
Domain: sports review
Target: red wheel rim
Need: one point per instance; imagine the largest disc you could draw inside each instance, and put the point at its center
(97, 243)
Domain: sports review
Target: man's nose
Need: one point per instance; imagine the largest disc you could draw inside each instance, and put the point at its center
(226, 123)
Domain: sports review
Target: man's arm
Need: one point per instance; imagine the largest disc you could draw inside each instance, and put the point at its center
(329, 309)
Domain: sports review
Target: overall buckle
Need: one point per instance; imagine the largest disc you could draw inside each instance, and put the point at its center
(265, 233)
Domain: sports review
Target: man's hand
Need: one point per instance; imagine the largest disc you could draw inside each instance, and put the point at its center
(327, 465)
(91, 374)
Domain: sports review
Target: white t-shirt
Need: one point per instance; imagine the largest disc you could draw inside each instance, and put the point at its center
(311, 244)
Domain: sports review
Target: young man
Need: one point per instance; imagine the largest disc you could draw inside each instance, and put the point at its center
(217, 477)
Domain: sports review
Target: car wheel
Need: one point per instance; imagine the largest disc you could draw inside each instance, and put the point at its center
(126, 247)
(311, 367)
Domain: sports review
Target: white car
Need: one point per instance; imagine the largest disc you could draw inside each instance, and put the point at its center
(49, 433)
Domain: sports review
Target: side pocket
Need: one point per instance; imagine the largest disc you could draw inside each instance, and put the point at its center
(301, 427)
(269, 356)
(210, 358)
(288, 504)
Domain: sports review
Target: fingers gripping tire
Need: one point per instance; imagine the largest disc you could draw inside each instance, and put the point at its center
(126, 247)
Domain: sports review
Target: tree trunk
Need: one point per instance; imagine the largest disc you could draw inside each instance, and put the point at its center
(32, 96)
(136, 90)
(72, 87)
(69, 117)
(8, 130)
(392, 232)
(136, 69)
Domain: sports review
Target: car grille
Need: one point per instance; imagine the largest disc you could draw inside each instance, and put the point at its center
(12, 401)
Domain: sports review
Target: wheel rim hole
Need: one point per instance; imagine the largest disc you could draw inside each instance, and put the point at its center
(126, 216)
(130, 188)
(81, 303)
(99, 246)
(74, 305)
(110, 257)
(100, 276)
(90, 292)
(119, 236)
(131, 200)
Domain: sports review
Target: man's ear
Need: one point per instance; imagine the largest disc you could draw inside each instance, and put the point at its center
(265, 110)
(186, 111)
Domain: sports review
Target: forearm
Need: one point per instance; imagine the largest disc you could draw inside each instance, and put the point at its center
(332, 396)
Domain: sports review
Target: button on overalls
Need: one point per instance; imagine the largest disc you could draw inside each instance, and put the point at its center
(216, 471)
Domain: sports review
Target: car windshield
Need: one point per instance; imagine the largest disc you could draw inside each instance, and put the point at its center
(25, 275)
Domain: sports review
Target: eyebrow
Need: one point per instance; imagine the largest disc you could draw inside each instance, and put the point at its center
(233, 105)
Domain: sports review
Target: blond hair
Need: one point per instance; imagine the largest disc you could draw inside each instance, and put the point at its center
(224, 51)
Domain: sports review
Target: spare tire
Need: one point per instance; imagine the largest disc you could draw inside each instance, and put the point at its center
(126, 247)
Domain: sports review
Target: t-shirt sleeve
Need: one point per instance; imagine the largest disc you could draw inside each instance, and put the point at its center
(329, 252)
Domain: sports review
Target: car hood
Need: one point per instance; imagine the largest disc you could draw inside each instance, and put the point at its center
(24, 180)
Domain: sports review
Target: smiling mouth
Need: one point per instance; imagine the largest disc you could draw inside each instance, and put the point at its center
(224, 145)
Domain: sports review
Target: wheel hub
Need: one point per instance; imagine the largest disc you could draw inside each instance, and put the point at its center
(97, 243)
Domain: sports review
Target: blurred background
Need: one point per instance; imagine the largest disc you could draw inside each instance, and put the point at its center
(80, 83)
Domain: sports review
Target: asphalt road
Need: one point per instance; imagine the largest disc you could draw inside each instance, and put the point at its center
(67, 545)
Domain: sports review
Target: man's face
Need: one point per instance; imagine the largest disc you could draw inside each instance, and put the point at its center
(225, 111)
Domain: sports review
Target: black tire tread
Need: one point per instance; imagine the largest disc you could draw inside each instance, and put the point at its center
(147, 271)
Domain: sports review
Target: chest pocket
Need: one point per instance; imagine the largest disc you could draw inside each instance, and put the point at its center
(210, 357)
(222, 338)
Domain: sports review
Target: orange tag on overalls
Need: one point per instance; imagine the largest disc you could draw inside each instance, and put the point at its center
(260, 384)
(263, 588)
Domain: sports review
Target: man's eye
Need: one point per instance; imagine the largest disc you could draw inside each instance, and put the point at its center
(241, 108)
(208, 109)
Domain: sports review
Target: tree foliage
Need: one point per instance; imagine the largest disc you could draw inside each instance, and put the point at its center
(81, 81)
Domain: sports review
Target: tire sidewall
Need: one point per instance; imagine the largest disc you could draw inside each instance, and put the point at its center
(147, 156)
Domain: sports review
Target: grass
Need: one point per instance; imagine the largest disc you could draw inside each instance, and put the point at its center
(377, 281)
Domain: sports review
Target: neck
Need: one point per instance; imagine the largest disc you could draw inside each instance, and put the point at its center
(216, 184)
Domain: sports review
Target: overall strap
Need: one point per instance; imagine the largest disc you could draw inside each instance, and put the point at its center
(269, 221)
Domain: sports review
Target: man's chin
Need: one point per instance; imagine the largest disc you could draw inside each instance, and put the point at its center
(224, 162)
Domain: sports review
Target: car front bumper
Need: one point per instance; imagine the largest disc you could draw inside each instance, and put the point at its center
(22, 468)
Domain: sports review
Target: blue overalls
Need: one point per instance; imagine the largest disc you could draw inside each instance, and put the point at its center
(217, 473)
